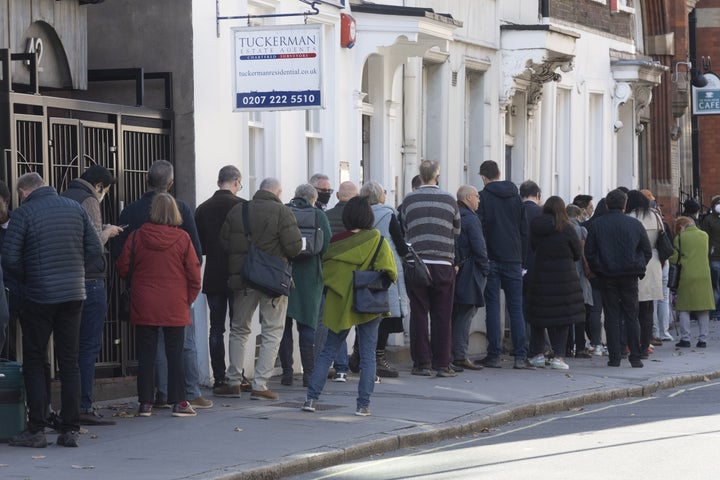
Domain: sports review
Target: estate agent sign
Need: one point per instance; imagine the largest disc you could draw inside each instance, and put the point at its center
(277, 67)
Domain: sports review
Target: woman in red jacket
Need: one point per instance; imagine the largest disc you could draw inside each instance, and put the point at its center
(159, 261)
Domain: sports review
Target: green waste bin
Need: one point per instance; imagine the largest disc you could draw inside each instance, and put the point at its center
(12, 400)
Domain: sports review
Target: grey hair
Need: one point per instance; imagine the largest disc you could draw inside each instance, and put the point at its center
(228, 173)
(464, 191)
(270, 184)
(373, 191)
(30, 180)
(160, 175)
(306, 191)
(317, 177)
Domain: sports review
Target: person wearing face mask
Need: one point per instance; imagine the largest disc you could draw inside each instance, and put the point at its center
(89, 191)
(321, 182)
(710, 224)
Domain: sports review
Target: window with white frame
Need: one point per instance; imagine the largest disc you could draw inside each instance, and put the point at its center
(313, 139)
(256, 149)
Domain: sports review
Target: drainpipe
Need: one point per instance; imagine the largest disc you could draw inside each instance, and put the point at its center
(545, 6)
(692, 32)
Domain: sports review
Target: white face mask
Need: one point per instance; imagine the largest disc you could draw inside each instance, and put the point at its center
(717, 208)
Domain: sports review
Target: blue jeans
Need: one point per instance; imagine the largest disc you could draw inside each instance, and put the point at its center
(461, 318)
(341, 359)
(306, 341)
(192, 374)
(218, 304)
(367, 339)
(92, 323)
(507, 276)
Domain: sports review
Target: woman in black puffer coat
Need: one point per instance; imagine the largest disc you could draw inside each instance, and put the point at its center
(554, 295)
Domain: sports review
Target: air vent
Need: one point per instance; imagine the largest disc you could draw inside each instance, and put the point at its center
(454, 79)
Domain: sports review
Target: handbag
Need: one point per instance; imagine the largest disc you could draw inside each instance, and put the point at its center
(262, 271)
(663, 244)
(675, 269)
(370, 288)
(415, 271)
(124, 303)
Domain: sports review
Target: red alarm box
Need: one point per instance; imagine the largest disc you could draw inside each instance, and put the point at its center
(347, 31)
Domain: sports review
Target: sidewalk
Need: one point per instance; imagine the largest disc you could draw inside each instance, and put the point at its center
(249, 439)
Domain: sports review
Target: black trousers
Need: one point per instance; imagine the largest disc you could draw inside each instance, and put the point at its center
(620, 303)
(146, 340)
(38, 321)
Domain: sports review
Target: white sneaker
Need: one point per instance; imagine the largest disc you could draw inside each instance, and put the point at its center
(597, 350)
(558, 364)
(538, 361)
(340, 377)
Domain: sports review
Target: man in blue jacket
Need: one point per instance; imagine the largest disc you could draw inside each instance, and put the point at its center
(618, 249)
(47, 245)
(505, 226)
(160, 177)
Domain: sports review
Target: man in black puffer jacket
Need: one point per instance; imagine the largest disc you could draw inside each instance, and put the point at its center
(618, 249)
(48, 242)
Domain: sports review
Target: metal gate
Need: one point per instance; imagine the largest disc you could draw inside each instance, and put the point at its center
(60, 138)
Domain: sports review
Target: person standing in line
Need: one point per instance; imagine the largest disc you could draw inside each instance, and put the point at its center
(160, 178)
(387, 224)
(504, 223)
(48, 243)
(650, 286)
(617, 250)
(585, 203)
(575, 214)
(274, 230)
(710, 224)
(209, 218)
(89, 191)
(694, 293)
(472, 269)
(165, 282)
(594, 312)
(321, 182)
(305, 297)
(350, 250)
(341, 367)
(531, 196)
(432, 220)
(554, 295)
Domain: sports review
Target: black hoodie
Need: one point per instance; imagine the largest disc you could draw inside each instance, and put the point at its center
(502, 214)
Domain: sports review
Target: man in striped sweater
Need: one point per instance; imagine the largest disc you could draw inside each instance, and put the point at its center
(431, 220)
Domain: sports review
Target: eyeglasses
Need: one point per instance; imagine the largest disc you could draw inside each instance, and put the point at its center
(325, 190)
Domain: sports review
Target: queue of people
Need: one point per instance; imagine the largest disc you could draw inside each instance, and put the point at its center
(561, 268)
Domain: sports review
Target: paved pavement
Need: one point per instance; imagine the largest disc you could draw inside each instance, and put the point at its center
(249, 439)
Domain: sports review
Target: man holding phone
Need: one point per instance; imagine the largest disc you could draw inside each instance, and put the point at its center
(89, 190)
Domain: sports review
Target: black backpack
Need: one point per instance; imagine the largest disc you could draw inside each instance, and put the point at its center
(312, 234)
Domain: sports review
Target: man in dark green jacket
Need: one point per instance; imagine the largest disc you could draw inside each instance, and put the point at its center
(274, 230)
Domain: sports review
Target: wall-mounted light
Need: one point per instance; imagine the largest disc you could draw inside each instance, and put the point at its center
(675, 74)
(699, 80)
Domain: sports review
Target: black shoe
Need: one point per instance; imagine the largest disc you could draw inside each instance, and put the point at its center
(613, 363)
(523, 364)
(287, 378)
(683, 344)
(701, 344)
(446, 372)
(68, 439)
(488, 362)
(422, 371)
(582, 354)
(29, 439)
(94, 418)
(636, 363)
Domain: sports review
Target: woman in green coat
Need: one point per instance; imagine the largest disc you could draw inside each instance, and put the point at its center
(694, 292)
(306, 295)
(349, 251)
